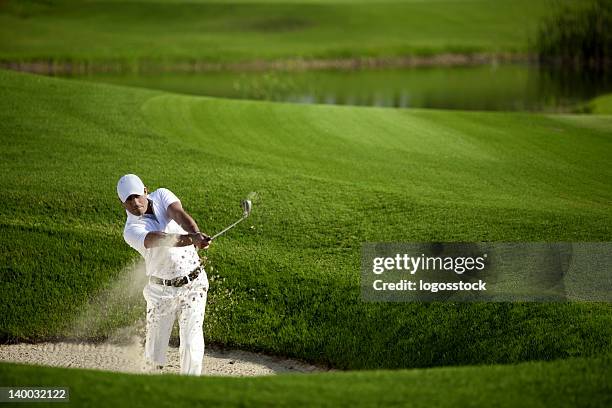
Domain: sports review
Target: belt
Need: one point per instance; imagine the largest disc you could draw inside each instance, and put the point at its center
(180, 281)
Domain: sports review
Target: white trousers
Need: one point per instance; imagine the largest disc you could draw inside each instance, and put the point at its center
(164, 305)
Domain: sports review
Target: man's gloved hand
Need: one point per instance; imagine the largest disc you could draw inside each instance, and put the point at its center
(200, 240)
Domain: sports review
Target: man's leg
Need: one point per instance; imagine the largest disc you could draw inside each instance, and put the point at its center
(191, 318)
(161, 313)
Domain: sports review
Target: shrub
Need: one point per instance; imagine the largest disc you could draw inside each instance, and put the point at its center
(578, 37)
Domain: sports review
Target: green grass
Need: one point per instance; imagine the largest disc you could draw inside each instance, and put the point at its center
(570, 383)
(133, 33)
(327, 179)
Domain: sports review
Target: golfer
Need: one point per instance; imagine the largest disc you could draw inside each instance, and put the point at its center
(167, 238)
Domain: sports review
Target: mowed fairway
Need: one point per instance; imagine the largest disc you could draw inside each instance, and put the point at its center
(327, 179)
(130, 33)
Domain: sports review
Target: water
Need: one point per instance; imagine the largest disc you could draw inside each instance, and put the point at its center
(512, 87)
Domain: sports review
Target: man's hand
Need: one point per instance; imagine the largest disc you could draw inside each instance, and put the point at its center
(200, 240)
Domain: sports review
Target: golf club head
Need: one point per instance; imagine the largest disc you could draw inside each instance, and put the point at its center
(247, 206)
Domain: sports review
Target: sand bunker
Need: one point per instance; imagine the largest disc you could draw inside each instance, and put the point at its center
(128, 358)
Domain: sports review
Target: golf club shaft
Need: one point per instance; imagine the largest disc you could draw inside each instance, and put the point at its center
(227, 229)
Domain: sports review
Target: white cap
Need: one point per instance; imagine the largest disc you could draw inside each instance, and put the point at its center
(128, 185)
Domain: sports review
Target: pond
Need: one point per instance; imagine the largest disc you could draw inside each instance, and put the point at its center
(513, 87)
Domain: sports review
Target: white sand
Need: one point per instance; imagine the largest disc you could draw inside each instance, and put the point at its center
(128, 358)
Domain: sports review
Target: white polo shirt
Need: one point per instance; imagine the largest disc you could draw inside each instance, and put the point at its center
(162, 262)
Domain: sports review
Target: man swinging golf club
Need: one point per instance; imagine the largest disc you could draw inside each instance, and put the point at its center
(167, 237)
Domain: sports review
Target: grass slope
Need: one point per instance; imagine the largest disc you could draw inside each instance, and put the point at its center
(570, 383)
(328, 178)
(601, 105)
(166, 32)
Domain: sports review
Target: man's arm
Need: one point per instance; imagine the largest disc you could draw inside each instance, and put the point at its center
(193, 236)
(178, 214)
(158, 238)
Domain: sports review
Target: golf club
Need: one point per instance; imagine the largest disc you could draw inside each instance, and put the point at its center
(247, 206)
